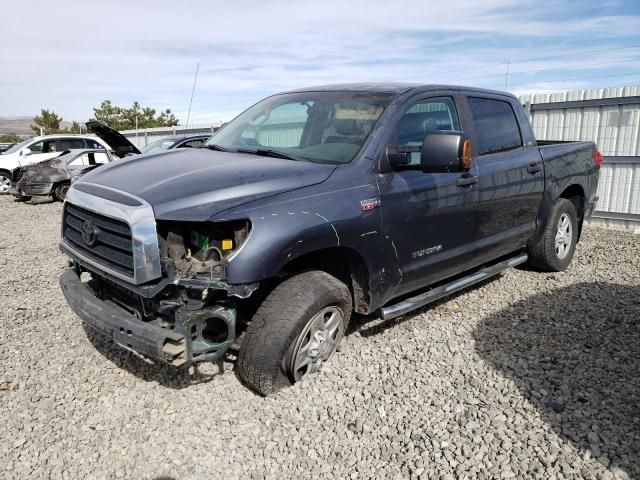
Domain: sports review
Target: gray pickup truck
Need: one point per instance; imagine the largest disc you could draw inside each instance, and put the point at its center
(309, 206)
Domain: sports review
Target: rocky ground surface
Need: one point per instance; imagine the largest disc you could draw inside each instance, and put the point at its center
(531, 375)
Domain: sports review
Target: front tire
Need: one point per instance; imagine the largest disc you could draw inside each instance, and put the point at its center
(60, 192)
(554, 251)
(5, 182)
(295, 331)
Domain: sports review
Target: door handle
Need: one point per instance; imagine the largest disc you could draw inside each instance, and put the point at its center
(534, 167)
(467, 181)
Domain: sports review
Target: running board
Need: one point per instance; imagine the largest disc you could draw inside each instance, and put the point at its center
(437, 293)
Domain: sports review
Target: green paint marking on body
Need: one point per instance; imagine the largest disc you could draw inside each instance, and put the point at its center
(291, 213)
(336, 232)
(332, 226)
(321, 217)
(394, 247)
(274, 214)
(372, 232)
(400, 280)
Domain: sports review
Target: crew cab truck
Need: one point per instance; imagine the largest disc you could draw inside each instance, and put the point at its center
(309, 206)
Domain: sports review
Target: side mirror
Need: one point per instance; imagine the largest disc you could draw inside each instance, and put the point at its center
(25, 152)
(445, 152)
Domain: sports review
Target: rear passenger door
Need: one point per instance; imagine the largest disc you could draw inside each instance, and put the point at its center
(511, 177)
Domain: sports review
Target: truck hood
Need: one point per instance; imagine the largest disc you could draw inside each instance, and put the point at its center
(196, 184)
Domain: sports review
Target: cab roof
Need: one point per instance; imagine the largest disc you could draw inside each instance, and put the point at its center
(394, 88)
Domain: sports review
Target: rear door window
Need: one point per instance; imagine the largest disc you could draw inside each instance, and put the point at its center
(192, 143)
(70, 143)
(495, 124)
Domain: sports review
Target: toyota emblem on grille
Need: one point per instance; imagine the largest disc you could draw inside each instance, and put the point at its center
(89, 233)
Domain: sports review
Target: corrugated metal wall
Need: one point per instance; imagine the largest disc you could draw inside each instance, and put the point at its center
(614, 128)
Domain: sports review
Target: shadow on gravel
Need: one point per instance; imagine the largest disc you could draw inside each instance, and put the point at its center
(574, 353)
(148, 370)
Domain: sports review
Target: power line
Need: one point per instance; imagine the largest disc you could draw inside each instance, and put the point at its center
(569, 67)
(527, 60)
(578, 78)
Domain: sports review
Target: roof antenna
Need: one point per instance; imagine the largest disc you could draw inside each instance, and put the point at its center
(192, 91)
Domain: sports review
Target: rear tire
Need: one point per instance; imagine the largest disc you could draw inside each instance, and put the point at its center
(554, 251)
(296, 329)
(60, 191)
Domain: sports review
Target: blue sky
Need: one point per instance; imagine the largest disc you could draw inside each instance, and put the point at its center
(68, 56)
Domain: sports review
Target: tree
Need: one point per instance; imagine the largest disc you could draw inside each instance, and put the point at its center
(9, 138)
(47, 122)
(121, 118)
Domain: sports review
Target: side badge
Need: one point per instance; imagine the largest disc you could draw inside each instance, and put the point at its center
(369, 204)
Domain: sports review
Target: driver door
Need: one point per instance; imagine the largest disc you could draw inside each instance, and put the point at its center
(428, 218)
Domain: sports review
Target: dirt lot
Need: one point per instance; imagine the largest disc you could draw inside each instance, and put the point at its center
(529, 375)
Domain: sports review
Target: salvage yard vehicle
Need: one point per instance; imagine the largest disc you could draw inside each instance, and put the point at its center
(52, 178)
(309, 206)
(176, 141)
(38, 149)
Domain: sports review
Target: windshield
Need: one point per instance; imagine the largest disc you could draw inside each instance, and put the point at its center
(158, 146)
(316, 126)
(17, 146)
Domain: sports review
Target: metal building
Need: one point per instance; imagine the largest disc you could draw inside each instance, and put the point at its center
(610, 117)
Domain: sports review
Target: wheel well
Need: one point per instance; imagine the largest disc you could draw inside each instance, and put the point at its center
(345, 264)
(2, 170)
(575, 194)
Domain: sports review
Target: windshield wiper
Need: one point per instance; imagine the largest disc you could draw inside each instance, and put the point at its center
(267, 152)
(215, 147)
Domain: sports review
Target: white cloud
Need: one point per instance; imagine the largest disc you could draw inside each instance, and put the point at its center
(71, 55)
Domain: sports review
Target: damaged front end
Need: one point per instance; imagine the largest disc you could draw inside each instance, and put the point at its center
(186, 315)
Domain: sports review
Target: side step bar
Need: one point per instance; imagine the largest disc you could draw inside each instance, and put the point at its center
(437, 293)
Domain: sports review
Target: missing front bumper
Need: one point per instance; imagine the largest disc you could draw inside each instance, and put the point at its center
(187, 343)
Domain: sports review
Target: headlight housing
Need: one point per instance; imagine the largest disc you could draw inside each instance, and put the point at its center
(201, 247)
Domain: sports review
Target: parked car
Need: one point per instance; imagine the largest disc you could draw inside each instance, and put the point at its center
(37, 149)
(180, 141)
(52, 178)
(5, 146)
(380, 199)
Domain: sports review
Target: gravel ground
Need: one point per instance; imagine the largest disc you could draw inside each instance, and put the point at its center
(529, 375)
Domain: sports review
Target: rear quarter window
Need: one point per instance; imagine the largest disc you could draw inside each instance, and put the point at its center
(495, 124)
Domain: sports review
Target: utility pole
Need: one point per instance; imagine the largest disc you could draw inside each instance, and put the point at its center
(192, 91)
(508, 72)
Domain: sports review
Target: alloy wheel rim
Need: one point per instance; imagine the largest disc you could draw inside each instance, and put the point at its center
(563, 236)
(317, 343)
(5, 183)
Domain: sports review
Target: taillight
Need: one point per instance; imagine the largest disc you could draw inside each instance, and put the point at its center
(597, 157)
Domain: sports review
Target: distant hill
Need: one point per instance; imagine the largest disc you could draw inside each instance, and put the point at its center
(21, 125)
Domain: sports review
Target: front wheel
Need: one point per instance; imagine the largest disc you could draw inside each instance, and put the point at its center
(5, 182)
(295, 331)
(60, 191)
(554, 251)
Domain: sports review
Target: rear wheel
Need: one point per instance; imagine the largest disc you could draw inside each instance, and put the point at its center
(60, 191)
(554, 251)
(295, 331)
(5, 182)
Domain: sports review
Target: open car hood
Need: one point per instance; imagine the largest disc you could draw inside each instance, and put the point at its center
(118, 142)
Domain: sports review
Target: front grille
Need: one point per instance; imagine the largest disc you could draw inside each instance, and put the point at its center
(110, 242)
